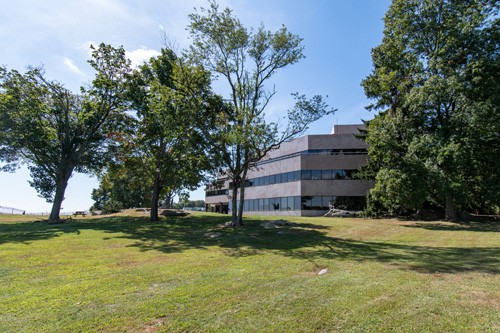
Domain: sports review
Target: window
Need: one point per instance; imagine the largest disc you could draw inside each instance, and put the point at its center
(316, 203)
(284, 203)
(296, 203)
(275, 203)
(338, 174)
(306, 175)
(279, 177)
(315, 174)
(326, 174)
(261, 204)
(266, 204)
(306, 203)
(327, 201)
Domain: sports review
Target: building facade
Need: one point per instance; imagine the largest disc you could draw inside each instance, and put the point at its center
(304, 177)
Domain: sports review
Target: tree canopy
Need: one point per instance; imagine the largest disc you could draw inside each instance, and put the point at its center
(436, 83)
(174, 107)
(247, 59)
(55, 131)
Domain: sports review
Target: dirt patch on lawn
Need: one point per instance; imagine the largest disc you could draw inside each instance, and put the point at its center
(484, 298)
(154, 325)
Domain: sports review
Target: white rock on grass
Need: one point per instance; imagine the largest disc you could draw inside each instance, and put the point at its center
(276, 224)
(213, 235)
(323, 271)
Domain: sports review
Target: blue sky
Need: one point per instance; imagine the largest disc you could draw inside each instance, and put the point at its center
(338, 36)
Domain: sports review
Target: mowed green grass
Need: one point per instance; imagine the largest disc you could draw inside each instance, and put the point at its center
(125, 274)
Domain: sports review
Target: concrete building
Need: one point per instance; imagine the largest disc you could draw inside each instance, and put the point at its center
(303, 177)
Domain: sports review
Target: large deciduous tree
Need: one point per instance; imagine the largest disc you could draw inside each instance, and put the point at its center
(436, 81)
(56, 131)
(175, 111)
(247, 59)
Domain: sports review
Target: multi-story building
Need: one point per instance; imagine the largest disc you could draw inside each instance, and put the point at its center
(304, 177)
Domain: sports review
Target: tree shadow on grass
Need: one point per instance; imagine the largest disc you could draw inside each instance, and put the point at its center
(300, 240)
(458, 226)
(27, 232)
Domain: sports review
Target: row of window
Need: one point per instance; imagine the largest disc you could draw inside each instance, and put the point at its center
(354, 151)
(302, 203)
(216, 192)
(292, 176)
(300, 175)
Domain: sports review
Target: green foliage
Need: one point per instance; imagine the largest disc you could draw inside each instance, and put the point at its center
(56, 131)
(125, 184)
(185, 202)
(436, 81)
(247, 60)
(175, 112)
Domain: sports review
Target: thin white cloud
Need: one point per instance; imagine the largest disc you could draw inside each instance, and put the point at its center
(71, 66)
(141, 55)
(86, 47)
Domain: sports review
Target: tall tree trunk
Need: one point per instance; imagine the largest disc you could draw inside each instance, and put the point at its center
(451, 210)
(234, 209)
(153, 216)
(242, 199)
(61, 184)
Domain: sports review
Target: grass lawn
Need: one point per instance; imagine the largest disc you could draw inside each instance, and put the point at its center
(123, 273)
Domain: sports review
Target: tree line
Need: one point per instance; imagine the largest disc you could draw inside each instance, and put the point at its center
(158, 130)
(435, 141)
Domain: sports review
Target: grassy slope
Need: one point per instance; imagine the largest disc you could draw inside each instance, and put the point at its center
(124, 273)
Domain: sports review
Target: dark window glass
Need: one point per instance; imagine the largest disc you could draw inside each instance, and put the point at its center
(261, 204)
(296, 203)
(279, 178)
(275, 204)
(266, 180)
(348, 174)
(306, 203)
(315, 174)
(266, 204)
(316, 203)
(272, 179)
(326, 174)
(284, 177)
(284, 204)
(326, 201)
(306, 175)
(289, 204)
(296, 176)
(338, 174)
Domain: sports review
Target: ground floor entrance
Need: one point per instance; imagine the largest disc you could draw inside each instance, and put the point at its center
(221, 207)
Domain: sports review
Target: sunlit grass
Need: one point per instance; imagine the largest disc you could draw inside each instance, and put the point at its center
(124, 273)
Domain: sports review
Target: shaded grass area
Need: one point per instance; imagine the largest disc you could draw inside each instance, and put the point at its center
(124, 273)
